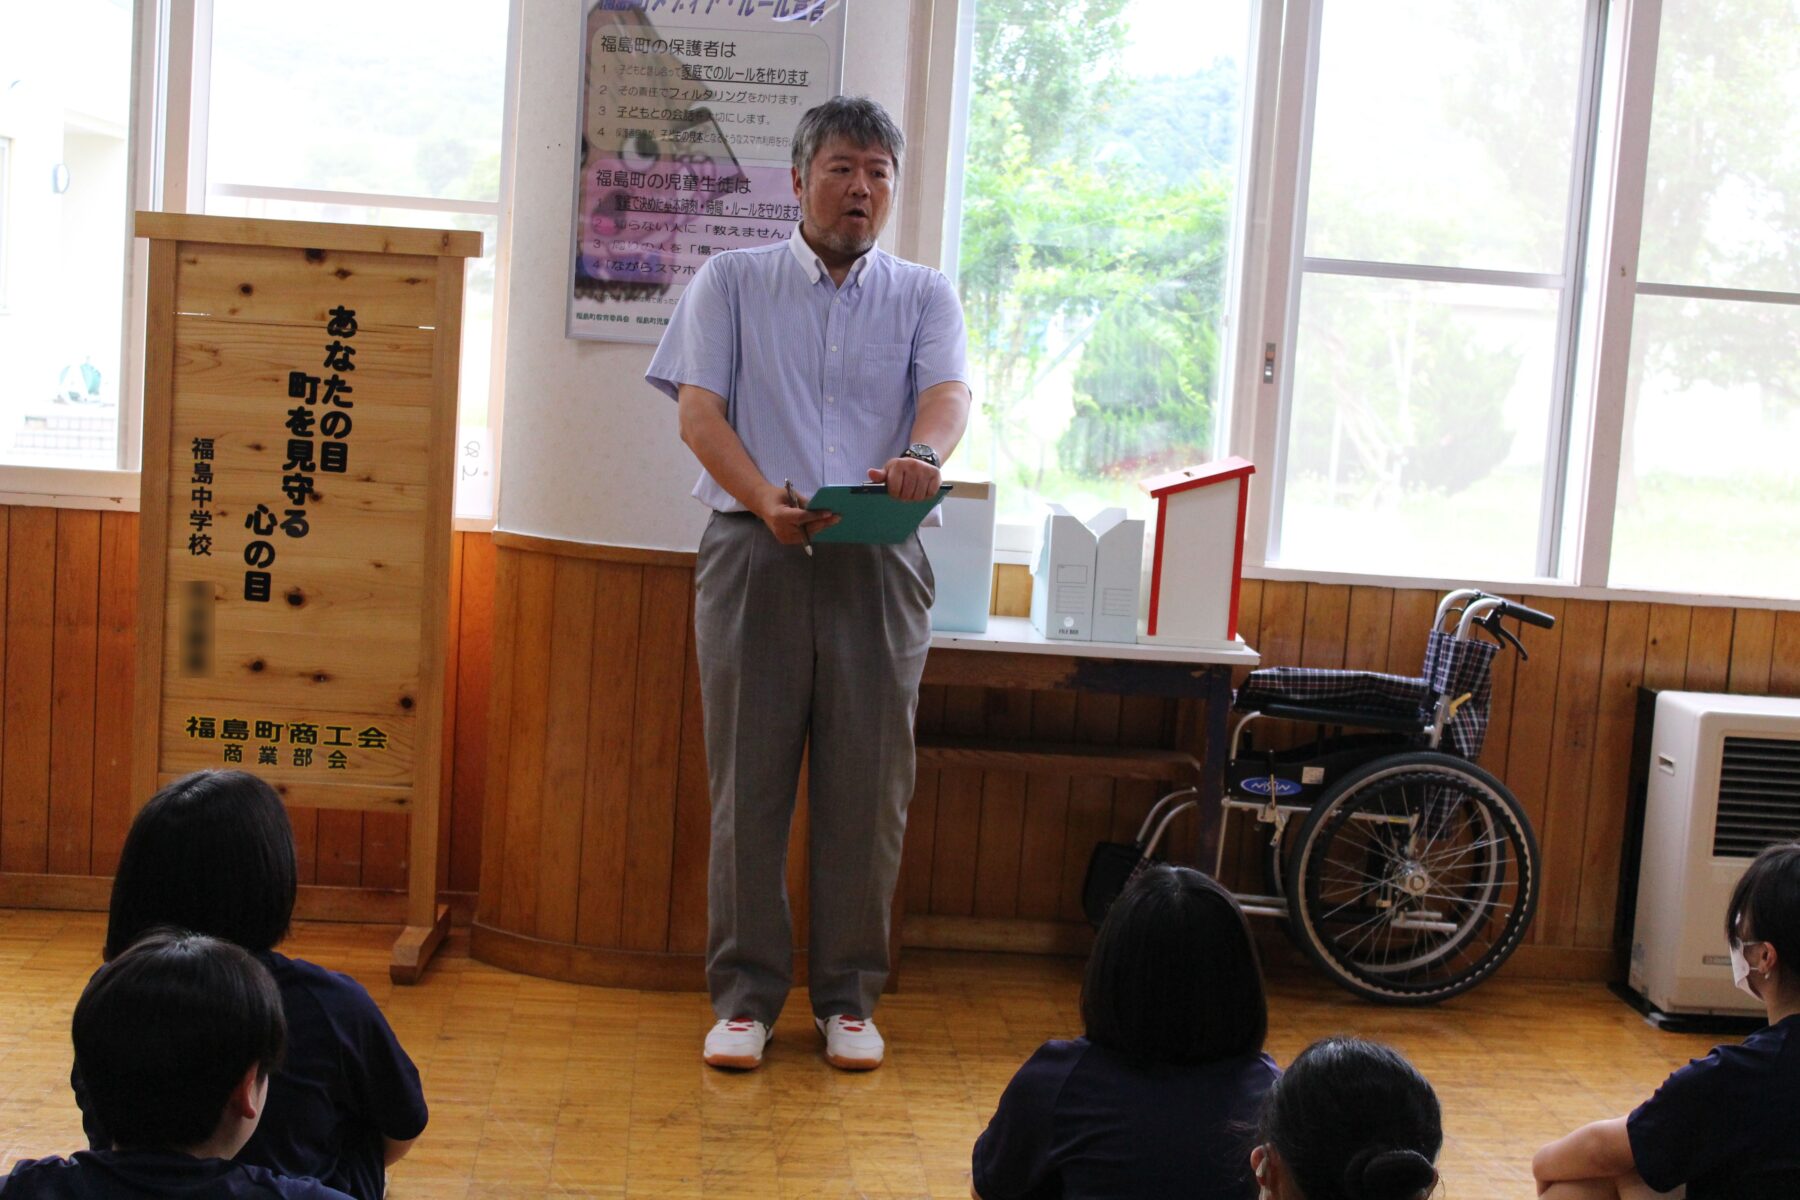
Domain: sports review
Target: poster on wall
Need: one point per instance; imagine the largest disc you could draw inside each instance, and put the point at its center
(688, 110)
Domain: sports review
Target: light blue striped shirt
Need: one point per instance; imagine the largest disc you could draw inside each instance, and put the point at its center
(821, 382)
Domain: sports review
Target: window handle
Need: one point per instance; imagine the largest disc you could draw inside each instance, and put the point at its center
(1268, 362)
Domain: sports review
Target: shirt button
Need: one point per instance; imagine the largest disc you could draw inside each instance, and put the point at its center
(834, 349)
(831, 449)
(831, 399)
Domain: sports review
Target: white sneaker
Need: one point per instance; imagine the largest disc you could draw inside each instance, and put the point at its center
(851, 1043)
(736, 1042)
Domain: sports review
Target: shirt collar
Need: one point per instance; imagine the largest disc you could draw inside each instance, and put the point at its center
(814, 266)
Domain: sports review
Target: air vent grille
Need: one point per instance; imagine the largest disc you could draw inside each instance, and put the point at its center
(1759, 796)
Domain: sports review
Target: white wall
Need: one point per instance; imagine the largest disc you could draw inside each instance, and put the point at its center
(589, 451)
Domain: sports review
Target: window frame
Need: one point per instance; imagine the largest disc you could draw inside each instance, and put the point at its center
(5, 208)
(941, 76)
(170, 89)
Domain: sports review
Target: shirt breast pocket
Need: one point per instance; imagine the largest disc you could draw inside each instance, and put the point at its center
(884, 376)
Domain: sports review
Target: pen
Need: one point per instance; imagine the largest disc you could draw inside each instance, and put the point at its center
(794, 500)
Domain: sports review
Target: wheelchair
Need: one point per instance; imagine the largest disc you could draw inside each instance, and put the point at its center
(1403, 870)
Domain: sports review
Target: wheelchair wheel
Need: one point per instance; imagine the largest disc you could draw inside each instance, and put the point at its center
(1413, 878)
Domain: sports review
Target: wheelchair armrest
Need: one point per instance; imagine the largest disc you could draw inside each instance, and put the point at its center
(1337, 716)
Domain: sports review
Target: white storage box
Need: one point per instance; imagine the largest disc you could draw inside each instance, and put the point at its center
(961, 551)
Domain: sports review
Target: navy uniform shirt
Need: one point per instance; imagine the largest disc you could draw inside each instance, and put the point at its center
(135, 1174)
(1727, 1125)
(1079, 1121)
(344, 1085)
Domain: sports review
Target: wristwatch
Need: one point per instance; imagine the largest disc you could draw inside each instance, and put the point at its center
(923, 453)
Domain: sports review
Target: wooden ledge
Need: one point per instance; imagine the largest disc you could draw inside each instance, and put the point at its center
(309, 235)
(635, 555)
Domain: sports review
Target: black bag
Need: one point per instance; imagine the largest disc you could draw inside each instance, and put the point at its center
(1112, 865)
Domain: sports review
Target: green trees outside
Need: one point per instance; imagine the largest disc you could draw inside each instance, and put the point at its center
(1095, 233)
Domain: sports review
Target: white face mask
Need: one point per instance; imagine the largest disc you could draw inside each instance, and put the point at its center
(1740, 972)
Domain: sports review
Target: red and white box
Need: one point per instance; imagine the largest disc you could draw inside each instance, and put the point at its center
(1197, 562)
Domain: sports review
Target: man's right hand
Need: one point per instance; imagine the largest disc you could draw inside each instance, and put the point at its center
(790, 525)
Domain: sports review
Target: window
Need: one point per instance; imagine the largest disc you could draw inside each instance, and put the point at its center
(1709, 493)
(1436, 290)
(1092, 246)
(65, 145)
(400, 124)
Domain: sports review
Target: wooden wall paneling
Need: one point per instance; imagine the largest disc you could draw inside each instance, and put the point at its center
(1250, 594)
(999, 842)
(1408, 629)
(1323, 639)
(921, 814)
(499, 760)
(1666, 646)
(25, 761)
(5, 637)
(1283, 638)
(572, 617)
(1145, 721)
(1090, 798)
(1571, 768)
(1784, 658)
(1752, 651)
(1709, 650)
(74, 688)
(527, 709)
(474, 666)
(305, 824)
(612, 714)
(1621, 674)
(1527, 769)
(1368, 628)
(664, 627)
(114, 668)
(1046, 812)
(957, 830)
(693, 822)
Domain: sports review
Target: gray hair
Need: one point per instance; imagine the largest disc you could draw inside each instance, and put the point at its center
(856, 119)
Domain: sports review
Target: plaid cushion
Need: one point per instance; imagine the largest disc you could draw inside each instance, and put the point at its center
(1452, 668)
(1346, 691)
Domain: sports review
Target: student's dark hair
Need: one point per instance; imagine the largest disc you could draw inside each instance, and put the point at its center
(212, 852)
(1353, 1120)
(857, 119)
(1765, 905)
(1174, 976)
(166, 1029)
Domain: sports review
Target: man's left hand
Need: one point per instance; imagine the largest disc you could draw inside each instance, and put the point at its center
(907, 478)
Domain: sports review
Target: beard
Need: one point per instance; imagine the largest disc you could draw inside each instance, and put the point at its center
(840, 242)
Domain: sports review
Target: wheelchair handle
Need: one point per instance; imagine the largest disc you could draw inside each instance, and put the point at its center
(1530, 616)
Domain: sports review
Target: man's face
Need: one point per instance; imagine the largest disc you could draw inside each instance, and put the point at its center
(845, 198)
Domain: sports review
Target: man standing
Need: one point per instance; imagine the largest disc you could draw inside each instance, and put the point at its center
(816, 360)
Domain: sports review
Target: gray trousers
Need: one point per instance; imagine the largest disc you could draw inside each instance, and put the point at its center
(828, 649)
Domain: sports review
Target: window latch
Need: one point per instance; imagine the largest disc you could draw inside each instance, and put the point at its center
(1268, 362)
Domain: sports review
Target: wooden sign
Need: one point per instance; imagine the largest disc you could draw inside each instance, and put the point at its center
(299, 417)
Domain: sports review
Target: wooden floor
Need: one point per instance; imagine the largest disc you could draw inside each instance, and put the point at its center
(547, 1089)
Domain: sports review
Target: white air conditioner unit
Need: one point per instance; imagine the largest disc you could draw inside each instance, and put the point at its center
(1724, 783)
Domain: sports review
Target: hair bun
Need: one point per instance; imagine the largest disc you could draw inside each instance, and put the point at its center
(1378, 1174)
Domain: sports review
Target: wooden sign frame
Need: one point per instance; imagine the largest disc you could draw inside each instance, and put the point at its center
(285, 642)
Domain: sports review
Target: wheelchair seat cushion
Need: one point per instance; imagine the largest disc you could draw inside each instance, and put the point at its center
(1349, 692)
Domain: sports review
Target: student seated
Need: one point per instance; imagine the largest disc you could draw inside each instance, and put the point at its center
(175, 1038)
(1727, 1125)
(1153, 1101)
(213, 852)
(1350, 1120)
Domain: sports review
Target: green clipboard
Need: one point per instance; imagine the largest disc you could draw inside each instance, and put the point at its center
(868, 515)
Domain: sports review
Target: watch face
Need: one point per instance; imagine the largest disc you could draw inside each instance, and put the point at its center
(922, 452)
